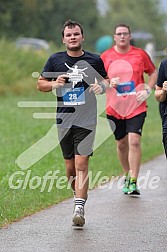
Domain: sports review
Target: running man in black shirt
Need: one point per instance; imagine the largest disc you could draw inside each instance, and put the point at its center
(76, 75)
(161, 97)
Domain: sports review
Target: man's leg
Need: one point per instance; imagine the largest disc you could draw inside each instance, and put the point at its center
(165, 143)
(66, 143)
(164, 132)
(134, 129)
(82, 180)
(134, 161)
(81, 189)
(122, 147)
(74, 142)
(83, 142)
(129, 154)
(121, 140)
(83, 148)
(123, 153)
(134, 154)
(70, 172)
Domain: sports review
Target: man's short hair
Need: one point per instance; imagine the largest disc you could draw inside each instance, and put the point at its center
(71, 24)
(122, 25)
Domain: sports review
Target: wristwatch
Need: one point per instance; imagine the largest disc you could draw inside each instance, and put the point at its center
(148, 91)
(103, 88)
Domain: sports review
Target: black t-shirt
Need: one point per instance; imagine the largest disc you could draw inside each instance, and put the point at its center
(76, 104)
(162, 76)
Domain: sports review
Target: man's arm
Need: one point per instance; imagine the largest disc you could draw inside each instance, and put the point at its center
(99, 87)
(152, 79)
(144, 94)
(47, 86)
(161, 92)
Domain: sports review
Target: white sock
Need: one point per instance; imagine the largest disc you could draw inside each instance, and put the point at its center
(79, 203)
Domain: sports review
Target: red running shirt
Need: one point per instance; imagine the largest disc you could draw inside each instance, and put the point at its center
(130, 68)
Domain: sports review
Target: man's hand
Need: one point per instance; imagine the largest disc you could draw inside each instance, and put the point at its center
(114, 82)
(142, 95)
(164, 87)
(60, 81)
(96, 88)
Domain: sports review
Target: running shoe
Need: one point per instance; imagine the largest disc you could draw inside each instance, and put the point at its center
(133, 189)
(78, 217)
(125, 188)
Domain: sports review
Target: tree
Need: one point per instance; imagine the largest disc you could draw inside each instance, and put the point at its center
(140, 15)
(44, 19)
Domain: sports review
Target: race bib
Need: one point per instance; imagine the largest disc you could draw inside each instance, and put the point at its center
(126, 88)
(73, 96)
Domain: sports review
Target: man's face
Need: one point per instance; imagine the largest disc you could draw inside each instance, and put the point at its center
(122, 37)
(73, 38)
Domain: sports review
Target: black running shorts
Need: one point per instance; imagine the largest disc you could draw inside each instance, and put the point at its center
(76, 141)
(125, 126)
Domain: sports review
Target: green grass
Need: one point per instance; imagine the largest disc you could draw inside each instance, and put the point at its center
(17, 66)
(19, 131)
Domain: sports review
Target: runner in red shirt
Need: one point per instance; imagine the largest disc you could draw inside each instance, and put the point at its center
(126, 100)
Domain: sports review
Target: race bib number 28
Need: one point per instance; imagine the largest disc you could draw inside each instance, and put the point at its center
(73, 96)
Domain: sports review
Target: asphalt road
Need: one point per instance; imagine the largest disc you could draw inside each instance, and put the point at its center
(114, 222)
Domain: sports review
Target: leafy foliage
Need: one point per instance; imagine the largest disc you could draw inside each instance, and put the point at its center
(44, 19)
(140, 16)
(33, 18)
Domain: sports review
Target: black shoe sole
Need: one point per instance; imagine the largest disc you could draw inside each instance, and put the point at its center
(134, 193)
